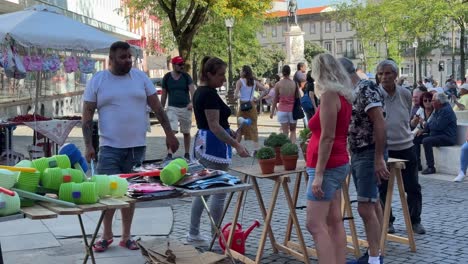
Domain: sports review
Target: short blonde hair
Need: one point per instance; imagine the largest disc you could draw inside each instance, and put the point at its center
(330, 75)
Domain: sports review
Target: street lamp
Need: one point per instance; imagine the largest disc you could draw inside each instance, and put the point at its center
(229, 22)
(415, 46)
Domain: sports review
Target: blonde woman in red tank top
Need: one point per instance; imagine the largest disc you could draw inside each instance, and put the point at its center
(327, 158)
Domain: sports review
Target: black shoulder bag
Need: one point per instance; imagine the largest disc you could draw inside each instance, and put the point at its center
(297, 111)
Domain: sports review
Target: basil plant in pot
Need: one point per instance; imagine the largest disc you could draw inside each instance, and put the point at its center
(266, 159)
(289, 154)
(276, 141)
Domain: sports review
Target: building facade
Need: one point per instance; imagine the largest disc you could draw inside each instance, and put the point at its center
(339, 39)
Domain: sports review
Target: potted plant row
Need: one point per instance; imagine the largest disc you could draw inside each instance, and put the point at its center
(266, 159)
(276, 141)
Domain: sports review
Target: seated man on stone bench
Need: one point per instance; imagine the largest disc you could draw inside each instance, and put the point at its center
(441, 130)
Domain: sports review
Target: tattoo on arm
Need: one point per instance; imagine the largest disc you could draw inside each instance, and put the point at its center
(155, 104)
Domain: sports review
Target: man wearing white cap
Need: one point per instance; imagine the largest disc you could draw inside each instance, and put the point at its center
(178, 88)
(462, 103)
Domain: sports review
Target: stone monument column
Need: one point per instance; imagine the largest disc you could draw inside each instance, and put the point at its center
(294, 46)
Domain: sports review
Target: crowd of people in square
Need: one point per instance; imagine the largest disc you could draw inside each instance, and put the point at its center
(356, 124)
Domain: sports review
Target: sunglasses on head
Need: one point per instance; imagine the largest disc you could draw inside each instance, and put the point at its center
(180, 64)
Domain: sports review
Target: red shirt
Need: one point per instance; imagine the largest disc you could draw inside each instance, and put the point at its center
(339, 153)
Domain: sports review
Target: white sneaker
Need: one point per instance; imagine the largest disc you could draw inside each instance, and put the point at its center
(460, 177)
(197, 239)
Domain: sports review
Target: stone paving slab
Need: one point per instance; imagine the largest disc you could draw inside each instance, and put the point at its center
(22, 227)
(28, 242)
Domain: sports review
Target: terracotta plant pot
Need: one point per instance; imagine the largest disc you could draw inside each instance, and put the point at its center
(278, 161)
(289, 162)
(267, 165)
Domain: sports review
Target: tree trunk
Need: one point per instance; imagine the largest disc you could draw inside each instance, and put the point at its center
(462, 49)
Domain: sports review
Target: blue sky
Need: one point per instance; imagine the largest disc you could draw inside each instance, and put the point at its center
(312, 3)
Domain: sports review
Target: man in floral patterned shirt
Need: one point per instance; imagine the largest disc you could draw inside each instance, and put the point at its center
(367, 143)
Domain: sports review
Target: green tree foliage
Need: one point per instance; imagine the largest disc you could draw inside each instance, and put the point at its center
(396, 24)
(183, 19)
(312, 49)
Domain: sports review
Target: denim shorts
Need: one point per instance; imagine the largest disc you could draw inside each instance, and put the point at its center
(332, 181)
(119, 160)
(363, 171)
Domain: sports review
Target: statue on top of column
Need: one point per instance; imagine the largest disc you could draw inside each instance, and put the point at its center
(292, 9)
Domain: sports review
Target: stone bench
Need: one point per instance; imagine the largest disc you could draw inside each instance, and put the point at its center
(447, 159)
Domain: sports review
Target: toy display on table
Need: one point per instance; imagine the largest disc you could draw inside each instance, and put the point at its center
(74, 155)
(151, 191)
(111, 185)
(52, 178)
(79, 193)
(7, 178)
(61, 161)
(9, 202)
(174, 171)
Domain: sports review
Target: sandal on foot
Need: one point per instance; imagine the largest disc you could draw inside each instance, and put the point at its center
(102, 245)
(130, 244)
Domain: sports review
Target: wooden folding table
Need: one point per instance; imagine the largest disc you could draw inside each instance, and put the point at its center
(280, 178)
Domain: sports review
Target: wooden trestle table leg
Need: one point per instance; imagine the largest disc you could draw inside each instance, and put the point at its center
(261, 204)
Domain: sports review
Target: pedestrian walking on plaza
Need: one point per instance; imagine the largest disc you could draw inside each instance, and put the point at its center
(245, 89)
(367, 140)
(120, 94)
(214, 139)
(285, 94)
(400, 141)
(328, 159)
(178, 90)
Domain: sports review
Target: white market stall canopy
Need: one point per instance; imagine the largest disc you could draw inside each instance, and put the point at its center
(43, 27)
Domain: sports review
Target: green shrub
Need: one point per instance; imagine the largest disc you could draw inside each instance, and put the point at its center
(265, 153)
(304, 135)
(276, 140)
(289, 149)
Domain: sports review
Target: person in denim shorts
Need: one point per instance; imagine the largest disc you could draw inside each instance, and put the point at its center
(121, 95)
(328, 159)
(367, 141)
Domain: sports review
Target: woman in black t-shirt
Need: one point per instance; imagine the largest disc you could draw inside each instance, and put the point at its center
(214, 139)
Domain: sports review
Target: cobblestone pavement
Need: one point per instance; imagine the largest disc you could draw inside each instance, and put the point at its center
(444, 215)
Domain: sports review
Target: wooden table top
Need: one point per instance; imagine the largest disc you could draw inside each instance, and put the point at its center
(45, 210)
(254, 170)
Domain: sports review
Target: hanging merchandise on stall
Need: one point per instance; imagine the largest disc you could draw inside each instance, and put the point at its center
(40, 39)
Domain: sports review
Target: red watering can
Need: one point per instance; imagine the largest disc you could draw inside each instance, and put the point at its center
(238, 241)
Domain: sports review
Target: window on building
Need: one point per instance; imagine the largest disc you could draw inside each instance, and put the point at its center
(349, 49)
(273, 31)
(312, 27)
(285, 27)
(338, 26)
(263, 33)
(328, 46)
(339, 47)
(348, 26)
(327, 27)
